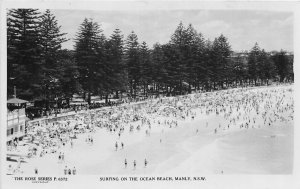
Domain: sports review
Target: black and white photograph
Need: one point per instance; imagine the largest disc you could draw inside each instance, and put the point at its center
(147, 92)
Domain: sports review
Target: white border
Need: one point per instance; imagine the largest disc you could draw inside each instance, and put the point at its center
(213, 181)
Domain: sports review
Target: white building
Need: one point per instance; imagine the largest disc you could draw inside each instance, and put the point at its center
(16, 120)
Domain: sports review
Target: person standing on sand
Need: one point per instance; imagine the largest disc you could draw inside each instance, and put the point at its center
(134, 164)
(74, 171)
(66, 170)
(125, 162)
(116, 145)
(63, 157)
(59, 157)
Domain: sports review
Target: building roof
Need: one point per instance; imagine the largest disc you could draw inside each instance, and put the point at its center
(16, 101)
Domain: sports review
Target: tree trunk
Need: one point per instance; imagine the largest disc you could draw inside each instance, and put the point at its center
(144, 88)
(106, 99)
(180, 87)
(131, 92)
(68, 102)
(89, 98)
(117, 94)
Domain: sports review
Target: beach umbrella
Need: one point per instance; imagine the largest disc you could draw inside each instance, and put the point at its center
(114, 116)
(179, 104)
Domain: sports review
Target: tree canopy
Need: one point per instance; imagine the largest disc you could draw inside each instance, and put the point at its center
(99, 65)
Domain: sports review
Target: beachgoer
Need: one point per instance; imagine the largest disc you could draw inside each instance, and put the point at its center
(116, 145)
(134, 164)
(74, 171)
(66, 170)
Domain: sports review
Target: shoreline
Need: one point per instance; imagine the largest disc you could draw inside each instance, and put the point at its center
(182, 146)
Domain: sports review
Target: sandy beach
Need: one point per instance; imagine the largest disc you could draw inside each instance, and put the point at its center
(191, 147)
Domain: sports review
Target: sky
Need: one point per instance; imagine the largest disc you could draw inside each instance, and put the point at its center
(272, 30)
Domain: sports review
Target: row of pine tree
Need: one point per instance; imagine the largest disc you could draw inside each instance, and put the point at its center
(41, 70)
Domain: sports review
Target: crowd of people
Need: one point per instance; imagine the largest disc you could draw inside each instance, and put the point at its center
(242, 108)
